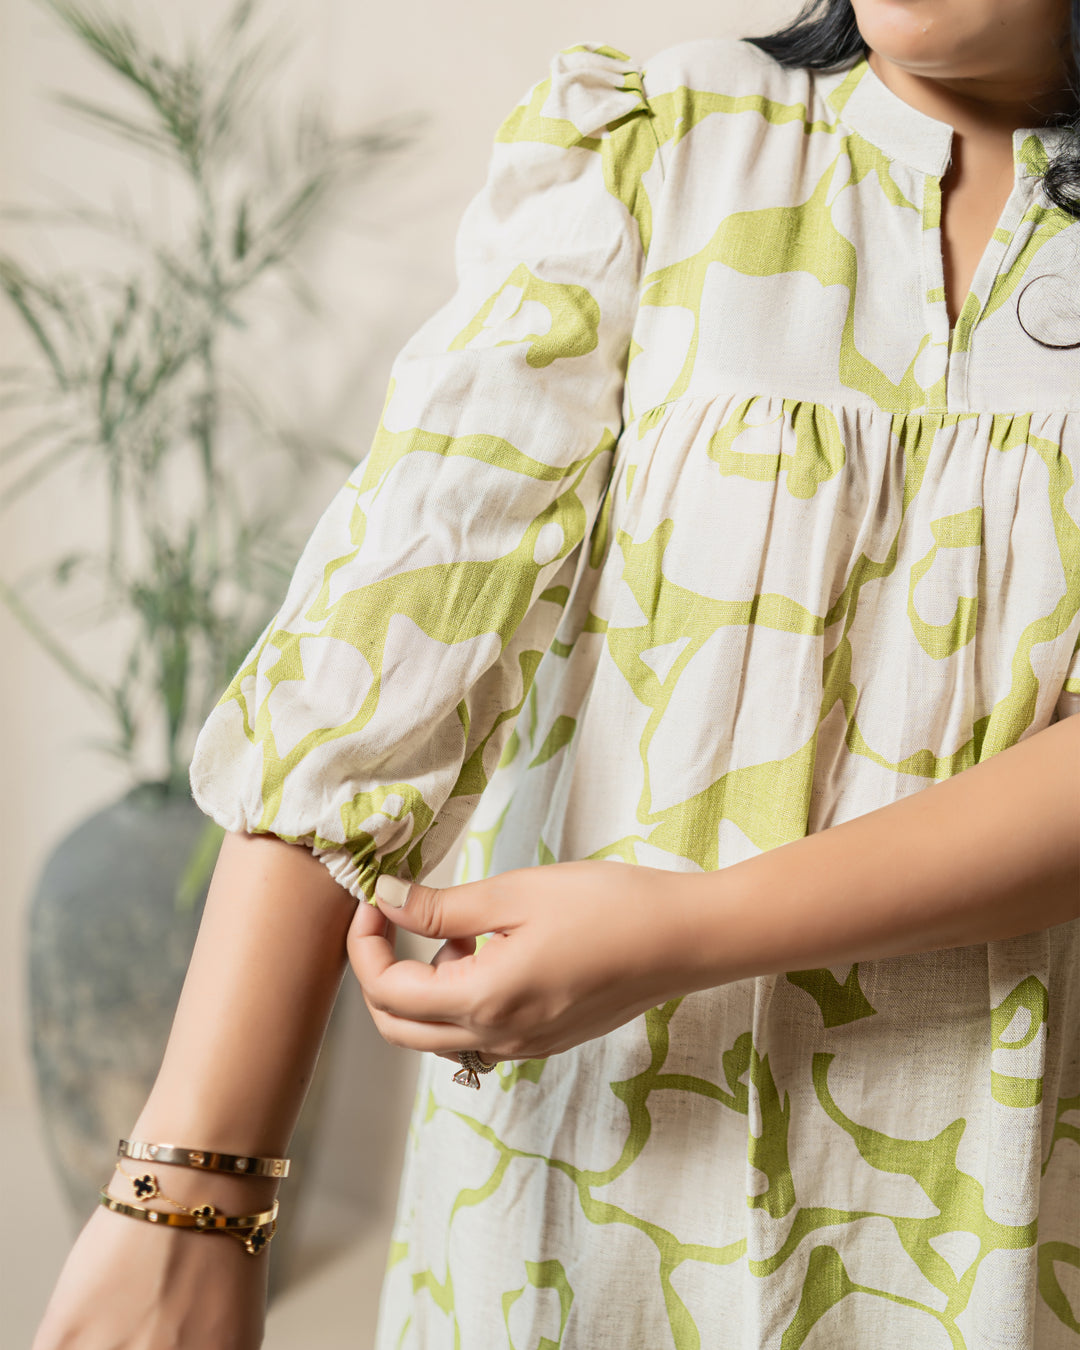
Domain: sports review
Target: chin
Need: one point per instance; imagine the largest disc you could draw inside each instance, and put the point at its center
(912, 34)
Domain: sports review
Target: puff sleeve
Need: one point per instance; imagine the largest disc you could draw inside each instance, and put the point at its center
(370, 714)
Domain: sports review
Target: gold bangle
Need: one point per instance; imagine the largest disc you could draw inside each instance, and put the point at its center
(253, 1230)
(205, 1160)
(146, 1187)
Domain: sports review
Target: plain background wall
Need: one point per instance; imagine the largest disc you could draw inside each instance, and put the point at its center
(462, 65)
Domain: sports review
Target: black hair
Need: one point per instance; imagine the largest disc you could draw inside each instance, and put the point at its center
(825, 36)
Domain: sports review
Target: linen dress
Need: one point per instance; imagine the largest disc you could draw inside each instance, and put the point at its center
(690, 528)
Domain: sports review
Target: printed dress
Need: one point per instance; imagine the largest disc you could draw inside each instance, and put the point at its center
(690, 528)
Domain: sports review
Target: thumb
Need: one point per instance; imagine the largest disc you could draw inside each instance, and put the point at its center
(437, 912)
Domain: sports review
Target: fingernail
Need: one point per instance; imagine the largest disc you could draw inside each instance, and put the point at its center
(392, 891)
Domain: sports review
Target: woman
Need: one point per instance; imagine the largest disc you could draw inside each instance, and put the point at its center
(730, 503)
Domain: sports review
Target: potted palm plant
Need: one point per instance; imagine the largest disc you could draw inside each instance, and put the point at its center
(137, 375)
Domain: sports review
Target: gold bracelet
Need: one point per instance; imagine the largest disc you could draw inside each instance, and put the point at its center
(204, 1159)
(253, 1230)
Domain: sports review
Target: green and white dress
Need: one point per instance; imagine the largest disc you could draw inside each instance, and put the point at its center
(690, 528)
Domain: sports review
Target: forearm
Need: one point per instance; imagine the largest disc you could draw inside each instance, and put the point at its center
(256, 1000)
(986, 855)
(251, 1018)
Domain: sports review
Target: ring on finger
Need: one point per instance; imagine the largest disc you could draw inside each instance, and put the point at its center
(471, 1068)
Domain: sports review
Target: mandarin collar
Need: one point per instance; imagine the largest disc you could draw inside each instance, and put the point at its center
(866, 104)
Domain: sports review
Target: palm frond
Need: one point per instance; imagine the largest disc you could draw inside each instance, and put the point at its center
(118, 126)
(40, 432)
(131, 373)
(48, 463)
(52, 644)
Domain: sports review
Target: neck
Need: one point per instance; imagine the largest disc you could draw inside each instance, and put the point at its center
(977, 108)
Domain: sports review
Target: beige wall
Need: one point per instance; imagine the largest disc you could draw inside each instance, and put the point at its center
(465, 65)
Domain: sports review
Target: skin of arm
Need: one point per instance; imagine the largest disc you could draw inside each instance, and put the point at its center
(256, 1001)
(986, 855)
(580, 948)
(268, 962)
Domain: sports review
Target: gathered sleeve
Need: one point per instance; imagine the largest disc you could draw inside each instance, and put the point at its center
(369, 716)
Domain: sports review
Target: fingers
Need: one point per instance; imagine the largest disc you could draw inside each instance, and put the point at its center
(370, 942)
(439, 1038)
(427, 1007)
(412, 990)
(453, 1059)
(370, 921)
(453, 950)
(443, 912)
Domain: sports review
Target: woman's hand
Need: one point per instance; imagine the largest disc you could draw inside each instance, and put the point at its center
(579, 948)
(576, 949)
(129, 1286)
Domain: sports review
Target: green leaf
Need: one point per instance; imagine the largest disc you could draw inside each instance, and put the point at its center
(41, 431)
(142, 360)
(51, 644)
(26, 297)
(122, 128)
(199, 866)
(38, 472)
(65, 569)
(241, 239)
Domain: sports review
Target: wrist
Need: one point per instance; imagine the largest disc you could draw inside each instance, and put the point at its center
(175, 1114)
(190, 1187)
(714, 912)
(230, 1192)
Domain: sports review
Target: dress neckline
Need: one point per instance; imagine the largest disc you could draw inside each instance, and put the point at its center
(864, 102)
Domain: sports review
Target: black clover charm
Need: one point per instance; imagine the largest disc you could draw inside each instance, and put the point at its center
(256, 1240)
(145, 1187)
(203, 1215)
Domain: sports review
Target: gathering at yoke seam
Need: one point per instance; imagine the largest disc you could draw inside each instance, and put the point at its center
(942, 415)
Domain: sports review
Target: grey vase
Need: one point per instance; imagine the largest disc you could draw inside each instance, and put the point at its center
(109, 944)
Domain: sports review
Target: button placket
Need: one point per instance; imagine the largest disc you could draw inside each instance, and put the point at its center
(992, 265)
(935, 361)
